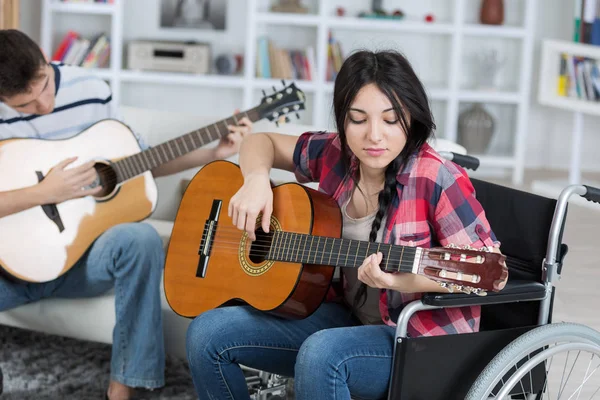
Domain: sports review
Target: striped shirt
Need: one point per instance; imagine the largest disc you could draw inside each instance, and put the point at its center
(81, 100)
(434, 205)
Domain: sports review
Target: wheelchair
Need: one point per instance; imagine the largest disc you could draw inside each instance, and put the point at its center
(518, 352)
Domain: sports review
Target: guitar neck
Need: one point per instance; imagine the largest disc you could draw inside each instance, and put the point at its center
(308, 249)
(151, 158)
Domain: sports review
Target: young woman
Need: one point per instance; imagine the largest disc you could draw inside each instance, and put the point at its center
(392, 187)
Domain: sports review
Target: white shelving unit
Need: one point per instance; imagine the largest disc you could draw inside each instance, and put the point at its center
(548, 96)
(456, 31)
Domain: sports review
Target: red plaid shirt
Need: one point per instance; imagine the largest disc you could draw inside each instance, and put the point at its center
(435, 204)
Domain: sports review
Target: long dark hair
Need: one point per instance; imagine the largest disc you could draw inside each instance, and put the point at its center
(394, 76)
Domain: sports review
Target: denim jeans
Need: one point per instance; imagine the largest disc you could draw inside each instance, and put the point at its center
(130, 258)
(329, 354)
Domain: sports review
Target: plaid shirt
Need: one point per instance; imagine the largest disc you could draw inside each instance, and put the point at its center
(435, 205)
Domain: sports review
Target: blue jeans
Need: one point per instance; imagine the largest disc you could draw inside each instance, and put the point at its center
(130, 258)
(328, 354)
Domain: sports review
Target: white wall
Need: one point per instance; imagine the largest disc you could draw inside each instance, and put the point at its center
(549, 129)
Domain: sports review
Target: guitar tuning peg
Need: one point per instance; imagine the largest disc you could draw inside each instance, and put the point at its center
(297, 116)
(277, 124)
(264, 93)
(274, 89)
(283, 82)
(287, 120)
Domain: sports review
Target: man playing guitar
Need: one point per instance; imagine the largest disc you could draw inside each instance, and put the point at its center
(50, 101)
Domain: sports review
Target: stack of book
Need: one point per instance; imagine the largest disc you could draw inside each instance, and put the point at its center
(89, 53)
(587, 22)
(579, 78)
(274, 62)
(335, 59)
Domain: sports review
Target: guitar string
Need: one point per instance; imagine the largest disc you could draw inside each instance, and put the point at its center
(106, 168)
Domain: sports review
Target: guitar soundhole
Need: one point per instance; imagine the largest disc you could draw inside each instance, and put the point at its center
(260, 247)
(107, 178)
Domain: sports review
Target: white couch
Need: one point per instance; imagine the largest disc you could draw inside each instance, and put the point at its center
(93, 318)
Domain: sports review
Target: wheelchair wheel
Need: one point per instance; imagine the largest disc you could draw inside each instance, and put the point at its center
(555, 361)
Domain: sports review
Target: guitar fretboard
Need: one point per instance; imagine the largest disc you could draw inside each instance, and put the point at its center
(308, 249)
(151, 158)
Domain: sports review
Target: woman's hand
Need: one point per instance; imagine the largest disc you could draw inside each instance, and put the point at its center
(371, 274)
(254, 197)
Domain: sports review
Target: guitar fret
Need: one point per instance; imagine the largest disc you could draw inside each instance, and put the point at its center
(304, 260)
(152, 158)
(192, 137)
(337, 263)
(145, 161)
(330, 251)
(298, 253)
(135, 161)
(294, 242)
(323, 251)
(157, 155)
(348, 252)
(226, 127)
(170, 147)
(285, 244)
(312, 238)
(187, 150)
(271, 247)
(217, 130)
(356, 256)
(162, 147)
(236, 120)
(387, 260)
(277, 245)
(125, 169)
(401, 255)
(317, 250)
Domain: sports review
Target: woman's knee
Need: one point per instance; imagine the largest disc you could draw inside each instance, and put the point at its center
(210, 332)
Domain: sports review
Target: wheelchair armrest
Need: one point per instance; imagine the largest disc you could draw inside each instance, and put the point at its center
(514, 291)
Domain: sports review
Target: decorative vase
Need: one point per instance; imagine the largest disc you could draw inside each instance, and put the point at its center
(475, 129)
(492, 12)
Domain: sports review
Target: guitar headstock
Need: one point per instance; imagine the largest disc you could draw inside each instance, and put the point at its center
(281, 103)
(465, 269)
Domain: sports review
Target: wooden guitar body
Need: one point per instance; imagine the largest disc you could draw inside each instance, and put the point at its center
(32, 246)
(292, 290)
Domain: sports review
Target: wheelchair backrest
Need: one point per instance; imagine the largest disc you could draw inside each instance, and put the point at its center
(521, 222)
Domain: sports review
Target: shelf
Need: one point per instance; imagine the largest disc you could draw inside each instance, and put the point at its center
(84, 8)
(569, 103)
(288, 19)
(480, 96)
(494, 31)
(182, 79)
(387, 25)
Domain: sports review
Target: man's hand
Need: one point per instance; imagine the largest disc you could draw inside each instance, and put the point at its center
(63, 184)
(230, 144)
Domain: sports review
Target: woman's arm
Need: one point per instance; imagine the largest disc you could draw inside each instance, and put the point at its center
(259, 153)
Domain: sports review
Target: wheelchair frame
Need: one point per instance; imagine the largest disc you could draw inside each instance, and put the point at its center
(485, 344)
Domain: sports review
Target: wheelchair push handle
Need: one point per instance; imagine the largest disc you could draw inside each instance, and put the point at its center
(465, 161)
(591, 194)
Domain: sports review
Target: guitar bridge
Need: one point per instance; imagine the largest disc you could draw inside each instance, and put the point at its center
(210, 230)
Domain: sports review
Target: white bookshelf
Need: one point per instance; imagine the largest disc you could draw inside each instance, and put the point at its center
(456, 30)
(548, 96)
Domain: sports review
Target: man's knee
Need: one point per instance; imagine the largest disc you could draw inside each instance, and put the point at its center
(136, 236)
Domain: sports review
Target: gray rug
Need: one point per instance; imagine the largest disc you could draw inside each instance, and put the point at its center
(47, 367)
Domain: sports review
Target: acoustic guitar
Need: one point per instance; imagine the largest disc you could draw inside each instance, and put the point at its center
(42, 243)
(288, 270)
